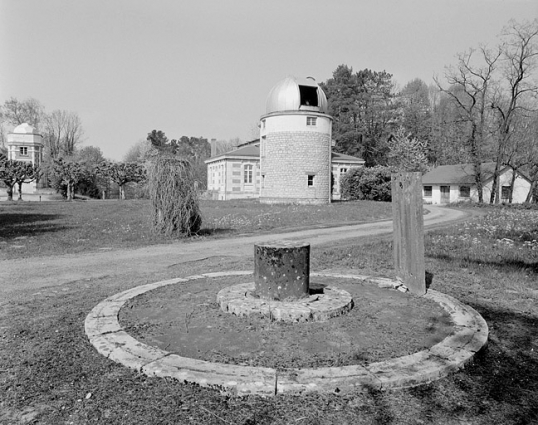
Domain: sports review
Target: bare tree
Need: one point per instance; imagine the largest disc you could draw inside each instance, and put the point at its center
(223, 146)
(517, 91)
(18, 112)
(139, 152)
(470, 89)
(62, 133)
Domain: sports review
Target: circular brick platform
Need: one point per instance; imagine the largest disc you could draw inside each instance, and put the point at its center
(331, 302)
(470, 336)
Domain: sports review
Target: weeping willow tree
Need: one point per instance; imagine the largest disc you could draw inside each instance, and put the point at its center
(173, 196)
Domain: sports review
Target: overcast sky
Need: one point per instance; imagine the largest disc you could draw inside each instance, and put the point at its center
(205, 68)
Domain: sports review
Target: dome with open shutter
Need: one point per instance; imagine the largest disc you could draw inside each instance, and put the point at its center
(296, 94)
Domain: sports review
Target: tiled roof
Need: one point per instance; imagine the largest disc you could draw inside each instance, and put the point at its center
(457, 174)
(252, 151)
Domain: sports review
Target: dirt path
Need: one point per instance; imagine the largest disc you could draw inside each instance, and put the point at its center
(39, 272)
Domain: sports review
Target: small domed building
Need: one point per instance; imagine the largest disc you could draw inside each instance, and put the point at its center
(25, 144)
(292, 161)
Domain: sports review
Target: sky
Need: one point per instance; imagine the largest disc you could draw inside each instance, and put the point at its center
(204, 68)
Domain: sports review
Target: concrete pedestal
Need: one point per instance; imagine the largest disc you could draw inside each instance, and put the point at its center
(282, 270)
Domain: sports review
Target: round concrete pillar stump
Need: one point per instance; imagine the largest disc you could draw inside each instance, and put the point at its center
(282, 270)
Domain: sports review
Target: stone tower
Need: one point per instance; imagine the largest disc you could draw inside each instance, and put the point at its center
(295, 144)
(25, 144)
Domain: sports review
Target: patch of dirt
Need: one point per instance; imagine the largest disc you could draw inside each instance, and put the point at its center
(185, 319)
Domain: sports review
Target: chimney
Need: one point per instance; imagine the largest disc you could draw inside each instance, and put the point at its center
(213, 147)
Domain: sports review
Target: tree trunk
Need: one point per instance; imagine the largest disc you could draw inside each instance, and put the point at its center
(531, 191)
(9, 191)
(494, 197)
(478, 181)
(477, 163)
(122, 192)
(20, 191)
(68, 192)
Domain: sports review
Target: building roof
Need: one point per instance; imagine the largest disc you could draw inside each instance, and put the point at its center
(296, 94)
(346, 158)
(457, 174)
(24, 128)
(250, 142)
(252, 151)
(248, 151)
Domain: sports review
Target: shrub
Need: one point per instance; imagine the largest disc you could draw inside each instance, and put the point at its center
(367, 184)
(173, 196)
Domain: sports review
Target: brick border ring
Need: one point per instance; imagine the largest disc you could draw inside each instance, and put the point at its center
(470, 336)
(332, 302)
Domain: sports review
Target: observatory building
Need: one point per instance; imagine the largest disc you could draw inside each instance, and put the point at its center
(291, 162)
(295, 144)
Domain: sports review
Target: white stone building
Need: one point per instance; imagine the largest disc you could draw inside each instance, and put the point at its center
(236, 174)
(25, 144)
(292, 162)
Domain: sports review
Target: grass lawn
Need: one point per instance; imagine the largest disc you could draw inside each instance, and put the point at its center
(49, 374)
(29, 229)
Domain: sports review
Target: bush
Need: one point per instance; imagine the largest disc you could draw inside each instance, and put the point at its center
(371, 184)
(173, 196)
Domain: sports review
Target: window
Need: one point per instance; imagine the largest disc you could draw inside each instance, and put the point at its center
(427, 191)
(247, 176)
(343, 170)
(311, 120)
(310, 181)
(23, 151)
(309, 95)
(465, 191)
(506, 191)
(263, 123)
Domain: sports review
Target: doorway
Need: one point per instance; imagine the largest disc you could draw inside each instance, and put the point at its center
(445, 194)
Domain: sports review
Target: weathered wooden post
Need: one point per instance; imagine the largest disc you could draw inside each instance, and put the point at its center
(408, 230)
(282, 270)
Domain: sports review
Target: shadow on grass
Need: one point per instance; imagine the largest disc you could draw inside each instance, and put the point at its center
(214, 232)
(507, 265)
(14, 225)
(504, 377)
(58, 368)
(499, 386)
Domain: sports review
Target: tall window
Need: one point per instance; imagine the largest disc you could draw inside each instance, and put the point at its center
(506, 191)
(247, 173)
(427, 191)
(23, 151)
(310, 181)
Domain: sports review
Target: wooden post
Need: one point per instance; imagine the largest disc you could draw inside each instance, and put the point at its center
(282, 270)
(408, 230)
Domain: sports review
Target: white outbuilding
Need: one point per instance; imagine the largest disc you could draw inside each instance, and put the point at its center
(456, 183)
